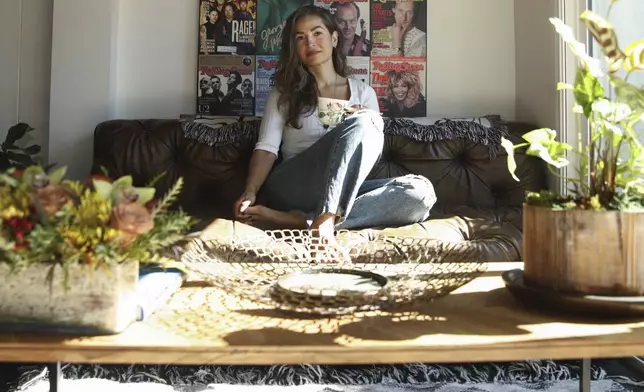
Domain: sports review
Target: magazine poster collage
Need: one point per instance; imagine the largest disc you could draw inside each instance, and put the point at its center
(385, 42)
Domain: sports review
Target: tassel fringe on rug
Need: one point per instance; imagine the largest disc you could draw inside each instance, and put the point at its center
(529, 376)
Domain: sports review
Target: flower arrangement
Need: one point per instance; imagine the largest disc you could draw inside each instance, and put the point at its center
(610, 174)
(47, 219)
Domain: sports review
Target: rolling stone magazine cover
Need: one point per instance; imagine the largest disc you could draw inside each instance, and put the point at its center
(240, 40)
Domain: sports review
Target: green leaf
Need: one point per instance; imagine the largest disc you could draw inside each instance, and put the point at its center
(33, 149)
(541, 135)
(57, 175)
(103, 188)
(587, 90)
(564, 86)
(629, 94)
(20, 158)
(592, 65)
(123, 182)
(634, 56)
(512, 163)
(7, 179)
(605, 35)
(541, 151)
(612, 112)
(17, 132)
(145, 194)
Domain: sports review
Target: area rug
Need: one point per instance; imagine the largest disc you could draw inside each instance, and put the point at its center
(97, 385)
(528, 376)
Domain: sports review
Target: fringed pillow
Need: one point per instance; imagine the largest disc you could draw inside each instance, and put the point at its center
(486, 130)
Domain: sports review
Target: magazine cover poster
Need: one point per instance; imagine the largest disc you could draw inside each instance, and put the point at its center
(207, 28)
(226, 85)
(399, 28)
(271, 18)
(399, 83)
(264, 81)
(353, 18)
(358, 68)
(227, 27)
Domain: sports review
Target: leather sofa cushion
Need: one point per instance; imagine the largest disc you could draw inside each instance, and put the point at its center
(477, 198)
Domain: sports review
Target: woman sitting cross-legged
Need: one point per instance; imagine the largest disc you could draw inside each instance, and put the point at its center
(321, 183)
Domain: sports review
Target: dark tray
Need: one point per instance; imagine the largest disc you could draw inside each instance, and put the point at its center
(588, 305)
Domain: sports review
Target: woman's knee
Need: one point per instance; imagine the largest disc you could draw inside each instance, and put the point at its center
(421, 196)
(368, 122)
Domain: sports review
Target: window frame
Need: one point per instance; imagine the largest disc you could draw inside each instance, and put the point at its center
(571, 125)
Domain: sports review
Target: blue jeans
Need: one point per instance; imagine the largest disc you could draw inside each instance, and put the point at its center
(330, 177)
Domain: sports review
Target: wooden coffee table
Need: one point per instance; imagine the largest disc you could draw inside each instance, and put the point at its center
(480, 322)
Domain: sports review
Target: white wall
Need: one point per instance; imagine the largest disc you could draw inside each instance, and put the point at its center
(536, 62)
(471, 58)
(157, 58)
(137, 59)
(81, 74)
(25, 63)
(471, 67)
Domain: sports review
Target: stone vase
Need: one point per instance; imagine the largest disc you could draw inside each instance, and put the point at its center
(101, 301)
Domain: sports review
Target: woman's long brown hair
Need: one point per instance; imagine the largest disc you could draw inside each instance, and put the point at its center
(296, 85)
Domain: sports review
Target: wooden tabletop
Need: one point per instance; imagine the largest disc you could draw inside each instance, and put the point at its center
(481, 321)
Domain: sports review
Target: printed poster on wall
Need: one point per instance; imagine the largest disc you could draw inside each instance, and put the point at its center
(399, 28)
(353, 18)
(358, 68)
(271, 18)
(264, 81)
(227, 27)
(226, 85)
(385, 42)
(399, 83)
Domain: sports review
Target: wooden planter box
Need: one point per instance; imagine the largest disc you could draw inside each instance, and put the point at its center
(101, 302)
(584, 252)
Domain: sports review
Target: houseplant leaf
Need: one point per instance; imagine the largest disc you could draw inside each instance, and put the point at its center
(541, 136)
(629, 94)
(587, 90)
(16, 133)
(512, 163)
(603, 32)
(634, 56)
(33, 149)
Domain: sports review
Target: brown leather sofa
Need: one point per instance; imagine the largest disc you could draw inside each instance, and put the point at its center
(478, 201)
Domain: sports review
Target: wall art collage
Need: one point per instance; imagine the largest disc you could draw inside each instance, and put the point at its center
(240, 40)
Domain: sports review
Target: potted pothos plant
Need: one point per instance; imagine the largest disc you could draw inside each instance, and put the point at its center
(589, 241)
(70, 250)
(13, 155)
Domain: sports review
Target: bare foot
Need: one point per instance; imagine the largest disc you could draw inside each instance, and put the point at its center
(324, 247)
(264, 217)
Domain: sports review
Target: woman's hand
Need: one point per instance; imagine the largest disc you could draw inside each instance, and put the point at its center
(246, 200)
(353, 109)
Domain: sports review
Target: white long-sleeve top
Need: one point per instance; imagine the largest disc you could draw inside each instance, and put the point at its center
(274, 132)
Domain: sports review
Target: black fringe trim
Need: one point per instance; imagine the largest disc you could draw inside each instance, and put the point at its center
(223, 134)
(537, 375)
(450, 129)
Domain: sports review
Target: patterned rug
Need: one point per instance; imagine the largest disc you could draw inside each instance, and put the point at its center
(529, 376)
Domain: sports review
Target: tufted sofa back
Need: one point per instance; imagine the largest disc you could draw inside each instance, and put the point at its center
(463, 173)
